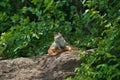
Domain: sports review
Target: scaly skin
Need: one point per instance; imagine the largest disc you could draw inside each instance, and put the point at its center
(58, 46)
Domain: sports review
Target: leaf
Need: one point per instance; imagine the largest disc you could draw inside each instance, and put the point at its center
(35, 35)
(109, 55)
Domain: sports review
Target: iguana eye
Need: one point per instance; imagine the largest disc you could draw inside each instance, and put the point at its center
(60, 37)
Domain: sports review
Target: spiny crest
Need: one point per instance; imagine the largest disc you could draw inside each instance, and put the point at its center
(57, 36)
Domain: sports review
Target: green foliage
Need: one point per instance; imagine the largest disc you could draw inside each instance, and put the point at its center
(27, 28)
(104, 63)
(32, 24)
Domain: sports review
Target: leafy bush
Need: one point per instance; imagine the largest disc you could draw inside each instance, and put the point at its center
(104, 63)
(33, 23)
(27, 28)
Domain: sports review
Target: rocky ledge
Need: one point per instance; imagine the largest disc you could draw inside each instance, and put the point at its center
(40, 68)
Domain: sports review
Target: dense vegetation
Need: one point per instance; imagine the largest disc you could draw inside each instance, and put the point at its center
(27, 28)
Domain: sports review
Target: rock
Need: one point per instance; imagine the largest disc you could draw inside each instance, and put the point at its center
(40, 68)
